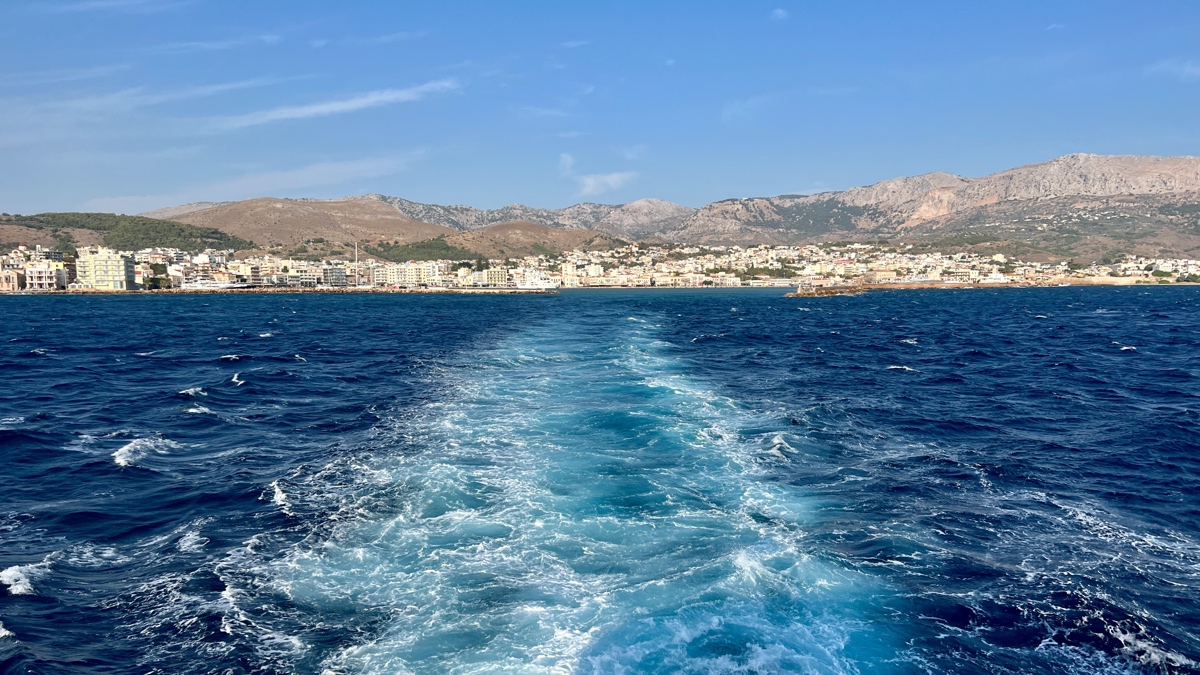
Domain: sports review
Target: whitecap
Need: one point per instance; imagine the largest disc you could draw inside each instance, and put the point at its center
(231, 357)
(199, 410)
(1041, 316)
(910, 341)
(131, 452)
(194, 391)
(301, 358)
(265, 335)
(5, 633)
(40, 351)
(145, 353)
(1128, 348)
(905, 368)
(191, 542)
(19, 578)
(236, 379)
(1147, 652)
(92, 556)
(279, 498)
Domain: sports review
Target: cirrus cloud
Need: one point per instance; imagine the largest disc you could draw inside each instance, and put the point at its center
(371, 99)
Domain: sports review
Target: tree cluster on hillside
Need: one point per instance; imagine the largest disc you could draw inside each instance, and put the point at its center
(132, 233)
(430, 249)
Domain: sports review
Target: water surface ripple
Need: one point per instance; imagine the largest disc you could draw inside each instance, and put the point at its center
(993, 481)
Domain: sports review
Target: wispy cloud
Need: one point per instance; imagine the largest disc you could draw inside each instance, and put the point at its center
(127, 6)
(779, 14)
(1184, 71)
(1056, 26)
(402, 36)
(268, 40)
(600, 183)
(593, 184)
(744, 109)
(535, 112)
(59, 76)
(574, 44)
(372, 99)
(24, 122)
(273, 183)
(631, 153)
(140, 97)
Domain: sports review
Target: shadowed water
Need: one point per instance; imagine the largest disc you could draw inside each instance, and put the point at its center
(602, 482)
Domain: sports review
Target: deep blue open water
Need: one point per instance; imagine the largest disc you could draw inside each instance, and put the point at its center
(977, 481)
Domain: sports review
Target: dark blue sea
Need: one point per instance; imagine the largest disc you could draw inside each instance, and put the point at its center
(972, 481)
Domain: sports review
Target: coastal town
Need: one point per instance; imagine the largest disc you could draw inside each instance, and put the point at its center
(824, 266)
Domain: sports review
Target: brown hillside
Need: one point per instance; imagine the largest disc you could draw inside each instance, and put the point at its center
(517, 239)
(289, 222)
(13, 235)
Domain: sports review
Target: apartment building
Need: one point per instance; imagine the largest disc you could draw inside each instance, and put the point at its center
(105, 270)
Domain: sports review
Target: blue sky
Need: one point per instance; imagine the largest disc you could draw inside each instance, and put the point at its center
(128, 105)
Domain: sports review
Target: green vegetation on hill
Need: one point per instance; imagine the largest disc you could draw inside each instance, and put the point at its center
(132, 233)
(430, 249)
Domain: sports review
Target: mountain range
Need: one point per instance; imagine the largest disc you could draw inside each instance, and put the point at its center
(1081, 206)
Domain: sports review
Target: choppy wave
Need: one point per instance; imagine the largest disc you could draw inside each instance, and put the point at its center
(137, 449)
(19, 578)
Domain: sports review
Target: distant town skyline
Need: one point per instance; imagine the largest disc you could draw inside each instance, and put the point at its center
(131, 105)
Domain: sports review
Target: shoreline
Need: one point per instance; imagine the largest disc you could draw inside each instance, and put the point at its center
(824, 291)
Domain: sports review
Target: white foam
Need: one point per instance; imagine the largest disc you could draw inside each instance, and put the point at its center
(194, 391)
(191, 542)
(231, 357)
(279, 498)
(89, 555)
(906, 368)
(264, 335)
(199, 410)
(493, 501)
(5, 633)
(19, 578)
(1147, 652)
(237, 379)
(135, 450)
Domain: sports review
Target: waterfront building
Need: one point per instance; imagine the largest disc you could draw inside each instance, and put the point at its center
(45, 276)
(496, 276)
(333, 276)
(105, 270)
(12, 281)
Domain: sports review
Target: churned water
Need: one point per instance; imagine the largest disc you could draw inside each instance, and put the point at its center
(602, 482)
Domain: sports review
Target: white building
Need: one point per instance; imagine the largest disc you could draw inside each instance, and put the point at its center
(105, 270)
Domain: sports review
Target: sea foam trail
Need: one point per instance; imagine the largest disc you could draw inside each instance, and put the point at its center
(582, 504)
